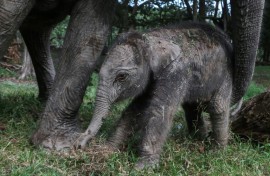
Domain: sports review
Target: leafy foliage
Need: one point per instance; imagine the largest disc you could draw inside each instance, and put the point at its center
(265, 35)
(154, 13)
(58, 33)
(144, 14)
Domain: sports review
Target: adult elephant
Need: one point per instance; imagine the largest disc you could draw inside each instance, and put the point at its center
(86, 34)
(85, 37)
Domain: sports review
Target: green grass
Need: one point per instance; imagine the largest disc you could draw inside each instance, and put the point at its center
(254, 89)
(19, 111)
(262, 75)
(5, 73)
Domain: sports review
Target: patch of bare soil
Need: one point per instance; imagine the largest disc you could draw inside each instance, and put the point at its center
(98, 154)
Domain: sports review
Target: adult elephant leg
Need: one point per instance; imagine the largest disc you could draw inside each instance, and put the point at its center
(86, 35)
(12, 14)
(38, 44)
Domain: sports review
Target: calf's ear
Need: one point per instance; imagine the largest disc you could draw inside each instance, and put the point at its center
(160, 53)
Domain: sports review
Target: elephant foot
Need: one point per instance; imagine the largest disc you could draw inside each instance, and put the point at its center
(82, 140)
(147, 162)
(55, 141)
(220, 144)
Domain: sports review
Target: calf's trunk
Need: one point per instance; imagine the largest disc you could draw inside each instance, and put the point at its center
(102, 107)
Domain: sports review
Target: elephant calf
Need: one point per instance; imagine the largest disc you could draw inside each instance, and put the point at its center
(189, 65)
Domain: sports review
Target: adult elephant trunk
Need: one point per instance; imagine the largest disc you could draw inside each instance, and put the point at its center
(246, 19)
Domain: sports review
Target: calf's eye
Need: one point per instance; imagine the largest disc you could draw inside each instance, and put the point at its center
(121, 77)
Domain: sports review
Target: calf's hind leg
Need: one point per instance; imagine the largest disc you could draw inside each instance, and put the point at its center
(128, 124)
(195, 122)
(219, 115)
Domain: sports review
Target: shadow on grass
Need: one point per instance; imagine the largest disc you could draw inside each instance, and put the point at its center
(19, 110)
(18, 101)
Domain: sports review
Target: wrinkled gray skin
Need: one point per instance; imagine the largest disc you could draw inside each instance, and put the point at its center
(188, 65)
(35, 21)
(85, 37)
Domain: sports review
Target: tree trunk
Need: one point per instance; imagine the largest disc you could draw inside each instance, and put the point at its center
(216, 9)
(27, 67)
(189, 9)
(253, 120)
(202, 10)
(122, 13)
(195, 10)
(265, 36)
(132, 25)
(266, 54)
(225, 15)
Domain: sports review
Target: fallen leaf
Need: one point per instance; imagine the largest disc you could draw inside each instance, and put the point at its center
(201, 149)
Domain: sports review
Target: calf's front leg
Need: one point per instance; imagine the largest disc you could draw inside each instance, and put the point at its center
(129, 123)
(157, 120)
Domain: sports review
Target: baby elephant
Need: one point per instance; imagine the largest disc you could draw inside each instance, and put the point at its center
(189, 65)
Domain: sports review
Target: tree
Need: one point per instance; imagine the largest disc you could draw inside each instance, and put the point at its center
(202, 10)
(27, 66)
(58, 34)
(225, 15)
(216, 8)
(265, 37)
